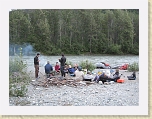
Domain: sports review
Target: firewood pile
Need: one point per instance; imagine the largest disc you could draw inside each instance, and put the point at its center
(57, 81)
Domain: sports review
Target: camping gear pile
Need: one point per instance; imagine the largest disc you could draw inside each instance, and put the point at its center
(103, 65)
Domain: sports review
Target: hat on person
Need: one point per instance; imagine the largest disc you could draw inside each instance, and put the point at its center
(99, 73)
(79, 68)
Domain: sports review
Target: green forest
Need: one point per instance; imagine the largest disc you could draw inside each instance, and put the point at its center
(76, 31)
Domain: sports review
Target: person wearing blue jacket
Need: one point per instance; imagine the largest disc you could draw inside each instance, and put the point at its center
(48, 69)
(71, 70)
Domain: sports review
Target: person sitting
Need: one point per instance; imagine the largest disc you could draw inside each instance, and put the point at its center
(48, 69)
(71, 70)
(57, 68)
(104, 78)
(76, 66)
(116, 76)
(66, 69)
(97, 76)
(88, 76)
(79, 74)
(132, 77)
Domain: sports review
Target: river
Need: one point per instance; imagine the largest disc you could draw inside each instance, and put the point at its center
(112, 60)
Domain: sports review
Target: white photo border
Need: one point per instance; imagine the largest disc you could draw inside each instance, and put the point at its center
(7, 5)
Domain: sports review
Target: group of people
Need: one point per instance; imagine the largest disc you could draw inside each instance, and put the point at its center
(48, 67)
(58, 68)
(63, 68)
(76, 71)
(101, 76)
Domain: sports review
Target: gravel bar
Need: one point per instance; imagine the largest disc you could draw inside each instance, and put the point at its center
(116, 94)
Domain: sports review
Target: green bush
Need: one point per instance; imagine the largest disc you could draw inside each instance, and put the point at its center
(18, 77)
(69, 62)
(16, 64)
(133, 67)
(87, 65)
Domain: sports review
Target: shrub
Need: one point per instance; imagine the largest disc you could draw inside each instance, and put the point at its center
(18, 77)
(133, 67)
(16, 64)
(87, 65)
(68, 62)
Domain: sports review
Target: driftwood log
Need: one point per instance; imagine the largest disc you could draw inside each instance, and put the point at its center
(58, 81)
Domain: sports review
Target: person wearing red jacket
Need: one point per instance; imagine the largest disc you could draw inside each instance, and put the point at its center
(57, 67)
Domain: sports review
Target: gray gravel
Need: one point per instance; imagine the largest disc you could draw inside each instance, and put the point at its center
(116, 94)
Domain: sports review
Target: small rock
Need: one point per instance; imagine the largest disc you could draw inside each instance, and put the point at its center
(106, 83)
(100, 82)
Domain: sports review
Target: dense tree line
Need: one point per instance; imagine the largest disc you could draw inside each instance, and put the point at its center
(76, 31)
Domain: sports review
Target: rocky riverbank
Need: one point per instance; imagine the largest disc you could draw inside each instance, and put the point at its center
(115, 94)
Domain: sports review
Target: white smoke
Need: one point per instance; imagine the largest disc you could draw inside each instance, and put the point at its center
(27, 49)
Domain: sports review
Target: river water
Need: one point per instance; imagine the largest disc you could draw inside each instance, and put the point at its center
(112, 60)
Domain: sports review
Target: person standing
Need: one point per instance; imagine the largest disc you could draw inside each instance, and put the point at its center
(62, 63)
(36, 65)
